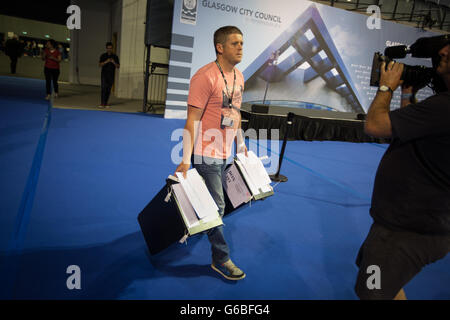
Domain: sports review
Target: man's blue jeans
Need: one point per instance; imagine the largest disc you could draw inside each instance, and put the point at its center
(211, 170)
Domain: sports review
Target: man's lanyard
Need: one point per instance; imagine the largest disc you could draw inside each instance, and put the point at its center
(230, 99)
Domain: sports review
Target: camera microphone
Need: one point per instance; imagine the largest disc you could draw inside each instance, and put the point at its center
(396, 52)
(429, 47)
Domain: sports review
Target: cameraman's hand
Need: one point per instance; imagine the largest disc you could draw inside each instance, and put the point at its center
(183, 168)
(391, 75)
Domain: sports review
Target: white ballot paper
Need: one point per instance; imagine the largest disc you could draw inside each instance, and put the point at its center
(196, 191)
(235, 186)
(185, 205)
(254, 172)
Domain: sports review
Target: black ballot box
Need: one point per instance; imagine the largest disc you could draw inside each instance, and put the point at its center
(161, 223)
(243, 182)
(170, 217)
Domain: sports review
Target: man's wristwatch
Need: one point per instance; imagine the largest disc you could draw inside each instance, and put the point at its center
(384, 88)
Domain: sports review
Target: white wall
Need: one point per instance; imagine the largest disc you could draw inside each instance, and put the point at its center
(131, 83)
(116, 22)
(132, 50)
(88, 43)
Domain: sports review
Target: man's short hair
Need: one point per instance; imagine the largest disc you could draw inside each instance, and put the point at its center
(109, 44)
(221, 35)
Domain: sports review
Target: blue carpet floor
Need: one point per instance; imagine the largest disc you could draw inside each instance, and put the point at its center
(71, 196)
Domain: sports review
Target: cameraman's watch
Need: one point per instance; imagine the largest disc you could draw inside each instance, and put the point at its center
(384, 88)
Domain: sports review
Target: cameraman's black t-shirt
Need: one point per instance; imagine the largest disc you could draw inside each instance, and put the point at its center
(412, 184)
(109, 68)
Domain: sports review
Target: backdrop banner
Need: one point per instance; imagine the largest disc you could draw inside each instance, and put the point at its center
(297, 53)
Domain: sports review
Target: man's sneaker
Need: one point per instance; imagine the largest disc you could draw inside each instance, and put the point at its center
(101, 106)
(229, 271)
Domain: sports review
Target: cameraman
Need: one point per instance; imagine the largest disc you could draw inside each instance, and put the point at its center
(411, 195)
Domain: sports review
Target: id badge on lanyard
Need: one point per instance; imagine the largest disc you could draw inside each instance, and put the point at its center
(227, 101)
(227, 107)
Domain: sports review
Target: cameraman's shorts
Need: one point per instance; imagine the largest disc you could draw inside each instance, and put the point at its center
(400, 255)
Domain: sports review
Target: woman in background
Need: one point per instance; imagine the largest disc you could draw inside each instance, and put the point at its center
(52, 58)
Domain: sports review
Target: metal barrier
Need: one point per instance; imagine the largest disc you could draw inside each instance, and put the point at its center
(157, 88)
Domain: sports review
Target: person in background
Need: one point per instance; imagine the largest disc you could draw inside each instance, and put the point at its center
(22, 47)
(14, 51)
(2, 45)
(61, 50)
(109, 62)
(40, 47)
(27, 50)
(52, 58)
(34, 49)
(65, 55)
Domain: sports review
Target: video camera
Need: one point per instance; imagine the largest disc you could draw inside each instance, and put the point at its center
(416, 76)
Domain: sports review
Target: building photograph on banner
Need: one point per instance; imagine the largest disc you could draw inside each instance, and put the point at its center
(297, 53)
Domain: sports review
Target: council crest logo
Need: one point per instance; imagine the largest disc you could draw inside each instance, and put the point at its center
(189, 12)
